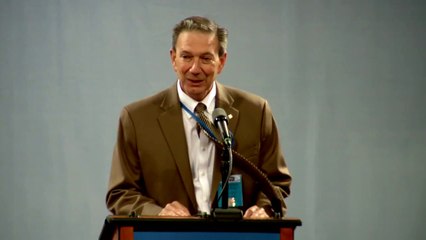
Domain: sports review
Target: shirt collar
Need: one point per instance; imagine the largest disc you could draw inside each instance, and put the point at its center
(191, 103)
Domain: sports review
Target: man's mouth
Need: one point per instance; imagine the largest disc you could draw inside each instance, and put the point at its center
(195, 80)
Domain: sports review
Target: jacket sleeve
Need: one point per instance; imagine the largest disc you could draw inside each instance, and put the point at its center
(126, 189)
(272, 161)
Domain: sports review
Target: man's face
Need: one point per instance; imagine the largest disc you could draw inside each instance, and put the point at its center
(196, 62)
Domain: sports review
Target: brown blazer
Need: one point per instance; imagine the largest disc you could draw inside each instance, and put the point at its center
(150, 165)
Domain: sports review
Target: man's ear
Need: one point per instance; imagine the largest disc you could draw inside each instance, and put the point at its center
(173, 58)
(222, 61)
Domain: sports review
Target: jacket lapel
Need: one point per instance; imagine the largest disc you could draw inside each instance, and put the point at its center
(224, 100)
(175, 137)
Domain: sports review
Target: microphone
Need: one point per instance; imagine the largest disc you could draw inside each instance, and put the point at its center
(221, 121)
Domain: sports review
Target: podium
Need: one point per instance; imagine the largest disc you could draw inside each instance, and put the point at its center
(188, 228)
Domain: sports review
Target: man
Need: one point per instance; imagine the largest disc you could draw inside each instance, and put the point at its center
(162, 165)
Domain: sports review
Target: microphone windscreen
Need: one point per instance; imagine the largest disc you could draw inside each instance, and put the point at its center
(219, 113)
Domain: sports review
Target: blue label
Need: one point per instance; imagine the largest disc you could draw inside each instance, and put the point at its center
(235, 191)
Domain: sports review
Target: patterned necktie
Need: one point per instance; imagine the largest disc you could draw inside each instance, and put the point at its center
(200, 111)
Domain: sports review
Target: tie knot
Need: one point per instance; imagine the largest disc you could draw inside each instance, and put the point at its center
(200, 108)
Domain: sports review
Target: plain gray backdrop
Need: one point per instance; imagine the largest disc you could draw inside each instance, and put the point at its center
(346, 81)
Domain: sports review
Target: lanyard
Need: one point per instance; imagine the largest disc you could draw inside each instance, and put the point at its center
(199, 121)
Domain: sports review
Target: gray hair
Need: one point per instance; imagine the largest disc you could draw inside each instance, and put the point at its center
(202, 24)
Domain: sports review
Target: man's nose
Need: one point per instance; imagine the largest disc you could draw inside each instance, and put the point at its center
(195, 68)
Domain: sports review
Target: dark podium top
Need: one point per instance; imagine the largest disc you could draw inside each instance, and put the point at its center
(154, 227)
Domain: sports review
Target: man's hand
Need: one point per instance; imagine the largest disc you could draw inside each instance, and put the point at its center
(256, 212)
(174, 209)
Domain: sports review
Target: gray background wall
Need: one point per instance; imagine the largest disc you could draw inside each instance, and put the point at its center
(345, 79)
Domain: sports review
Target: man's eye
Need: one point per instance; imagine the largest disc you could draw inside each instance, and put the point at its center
(206, 59)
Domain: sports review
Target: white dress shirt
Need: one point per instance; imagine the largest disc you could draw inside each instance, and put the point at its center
(201, 149)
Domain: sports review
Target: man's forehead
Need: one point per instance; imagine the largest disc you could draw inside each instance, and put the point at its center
(190, 41)
(197, 38)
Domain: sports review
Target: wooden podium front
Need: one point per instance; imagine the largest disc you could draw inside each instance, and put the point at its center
(188, 228)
